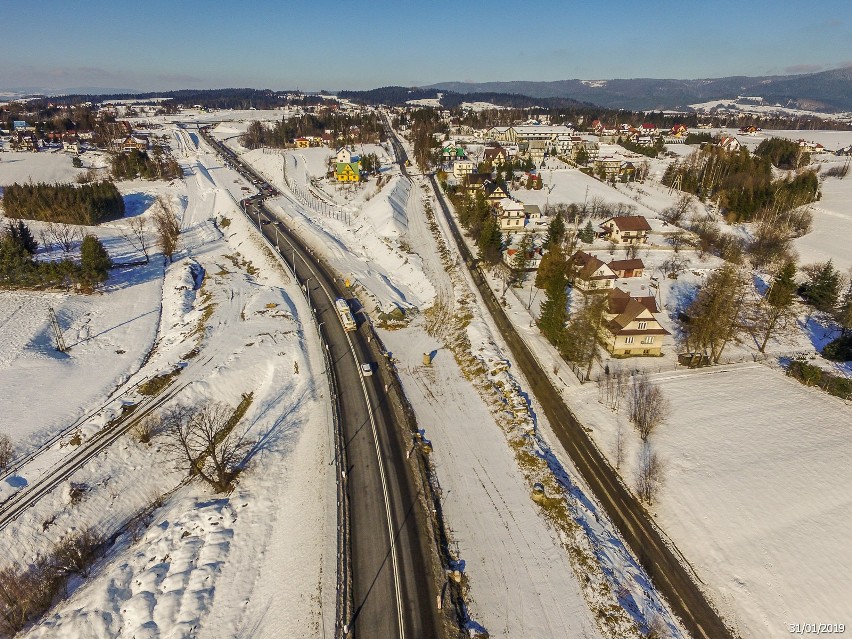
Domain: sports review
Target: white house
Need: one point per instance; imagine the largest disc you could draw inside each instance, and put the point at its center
(511, 214)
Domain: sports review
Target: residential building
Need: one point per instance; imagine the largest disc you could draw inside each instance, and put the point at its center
(510, 214)
(632, 229)
(494, 192)
(627, 268)
(533, 213)
(631, 328)
(589, 274)
(133, 143)
(728, 143)
(462, 168)
(495, 155)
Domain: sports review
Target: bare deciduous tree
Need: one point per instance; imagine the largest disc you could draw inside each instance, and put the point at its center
(647, 407)
(25, 594)
(611, 386)
(136, 234)
(7, 451)
(203, 440)
(75, 552)
(619, 445)
(66, 235)
(649, 474)
(167, 228)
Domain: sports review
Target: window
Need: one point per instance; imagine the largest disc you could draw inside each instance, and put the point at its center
(627, 352)
(648, 340)
(647, 351)
(628, 340)
(643, 326)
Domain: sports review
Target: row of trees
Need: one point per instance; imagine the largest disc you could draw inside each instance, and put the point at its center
(740, 182)
(348, 129)
(650, 151)
(26, 593)
(127, 166)
(19, 268)
(727, 306)
(87, 204)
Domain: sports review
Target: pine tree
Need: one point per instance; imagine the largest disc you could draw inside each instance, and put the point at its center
(555, 231)
(554, 264)
(554, 312)
(21, 235)
(521, 259)
(823, 289)
(587, 235)
(94, 261)
(777, 303)
(490, 241)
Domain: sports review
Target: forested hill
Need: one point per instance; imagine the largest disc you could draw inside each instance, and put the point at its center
(823, 91)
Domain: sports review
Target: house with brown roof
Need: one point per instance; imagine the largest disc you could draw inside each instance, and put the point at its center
(133, 143)
(589, 274)
(630, 229)
(630, 328)
(627, 268)
(495, 155)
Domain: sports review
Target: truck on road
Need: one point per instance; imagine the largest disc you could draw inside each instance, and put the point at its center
(345, 313)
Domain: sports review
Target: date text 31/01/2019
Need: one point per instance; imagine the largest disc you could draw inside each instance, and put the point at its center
(816, 628)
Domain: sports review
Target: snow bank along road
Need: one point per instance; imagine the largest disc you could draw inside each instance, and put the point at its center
(393, 588)
(633, 522)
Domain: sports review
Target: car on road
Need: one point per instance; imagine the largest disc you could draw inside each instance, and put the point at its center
(366, 369)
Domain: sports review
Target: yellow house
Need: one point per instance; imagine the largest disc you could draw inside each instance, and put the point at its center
(631, 328)
(302, 143)
(348, 171)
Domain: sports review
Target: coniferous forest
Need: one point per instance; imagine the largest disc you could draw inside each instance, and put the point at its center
(87, 204)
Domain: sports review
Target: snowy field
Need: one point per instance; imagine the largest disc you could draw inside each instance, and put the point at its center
(48, 167)
(754, 491)
(259, 562)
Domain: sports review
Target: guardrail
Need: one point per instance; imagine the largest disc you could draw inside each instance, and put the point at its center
(343, 604)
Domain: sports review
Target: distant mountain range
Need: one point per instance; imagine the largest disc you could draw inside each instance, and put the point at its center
(827, 91)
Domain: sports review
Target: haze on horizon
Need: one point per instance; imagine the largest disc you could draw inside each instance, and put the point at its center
(161, 46)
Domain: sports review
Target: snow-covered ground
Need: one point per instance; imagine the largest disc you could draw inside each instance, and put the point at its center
(754, 490)
(364, 243)
(40, 167)
(499, 514)
(259, 561)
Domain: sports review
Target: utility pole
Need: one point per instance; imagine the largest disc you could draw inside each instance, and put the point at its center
(57, 331)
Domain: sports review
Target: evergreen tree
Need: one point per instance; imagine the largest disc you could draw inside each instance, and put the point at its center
(21, 235)
(554, 311)
(490, 241)
(521, 259)
(777, 303)
(555, 231)
(94, 261)
(587, 235)
(582, 157)
(554, 265)
(823, 287)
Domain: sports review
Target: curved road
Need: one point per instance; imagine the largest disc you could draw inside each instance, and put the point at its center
(626, 512)
(393, 591)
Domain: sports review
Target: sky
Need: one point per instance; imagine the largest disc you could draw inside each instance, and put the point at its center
(309, 45)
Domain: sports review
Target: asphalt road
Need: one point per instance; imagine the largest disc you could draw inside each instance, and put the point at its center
(627, 513)
(393, 592)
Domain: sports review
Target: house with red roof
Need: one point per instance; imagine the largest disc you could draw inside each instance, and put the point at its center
(630, 328)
